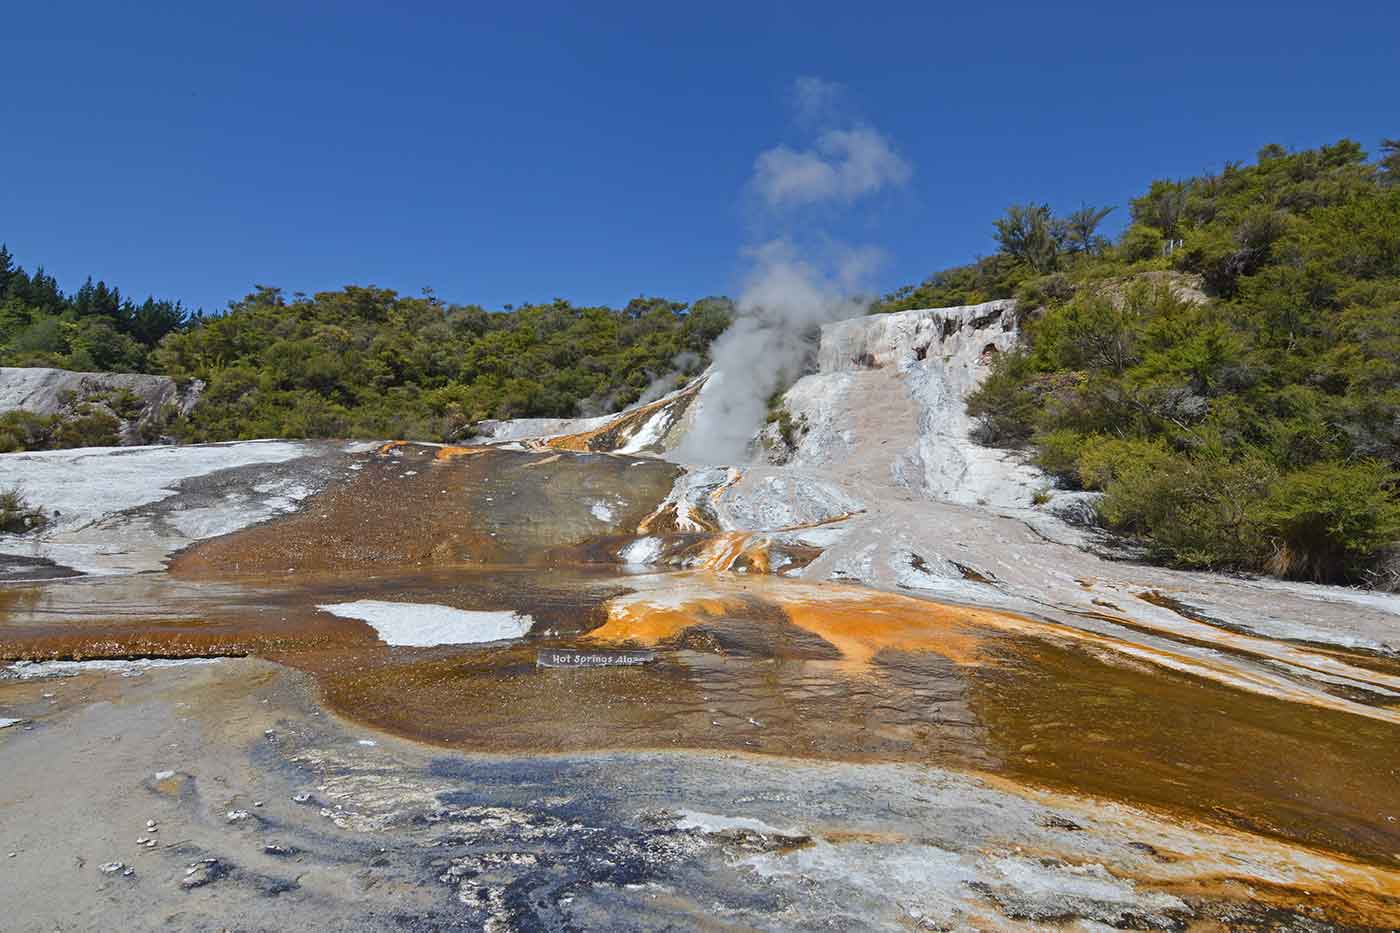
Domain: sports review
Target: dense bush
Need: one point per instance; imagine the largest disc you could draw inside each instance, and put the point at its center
(366, 362)
(95, 329)
(359, 362)
(1257, 428)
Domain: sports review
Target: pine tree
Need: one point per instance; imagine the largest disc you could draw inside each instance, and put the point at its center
(7, 271)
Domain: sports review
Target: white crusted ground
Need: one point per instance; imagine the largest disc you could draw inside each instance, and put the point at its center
(426, 624)
(94, 497)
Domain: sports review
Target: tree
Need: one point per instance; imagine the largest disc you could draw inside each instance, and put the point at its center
(1163, 207)
(1390, 161)
(1081, 228)
(7, 271)
(1029, 233)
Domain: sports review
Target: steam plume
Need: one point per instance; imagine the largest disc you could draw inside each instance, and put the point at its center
(784, 302)
(790, 292)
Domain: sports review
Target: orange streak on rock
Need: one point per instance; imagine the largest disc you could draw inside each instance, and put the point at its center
(649, 624)
(862, 631)
(447, 454)
(859, 629)
(726, 549)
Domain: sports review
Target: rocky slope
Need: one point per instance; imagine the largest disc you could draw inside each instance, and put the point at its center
(142, 404)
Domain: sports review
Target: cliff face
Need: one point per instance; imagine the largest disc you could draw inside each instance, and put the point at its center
(888, 403)
(140, 402)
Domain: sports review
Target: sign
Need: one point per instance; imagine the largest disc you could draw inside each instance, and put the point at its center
(570, 657)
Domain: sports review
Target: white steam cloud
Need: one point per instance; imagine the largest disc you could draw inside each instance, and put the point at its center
(778, 315)
(787, 295)
(843, 165)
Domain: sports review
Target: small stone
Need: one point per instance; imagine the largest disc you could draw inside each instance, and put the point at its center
(12, 855)
(257, 803)
(203, 872)
(235, 816)
(150, 824)
(142, 841)
(111, 868)
(303, 797)
(150, 843)
(164, 775)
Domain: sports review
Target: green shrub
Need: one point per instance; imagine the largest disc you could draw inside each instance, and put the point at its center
(1004, 406)
(24, 430)
(1328, 522)
(1100, 460)
(17, 516)
(1191, 513)
(1057, 453)
(125, 404)
(88, 426)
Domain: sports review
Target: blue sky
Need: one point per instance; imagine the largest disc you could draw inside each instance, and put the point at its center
(503, 153)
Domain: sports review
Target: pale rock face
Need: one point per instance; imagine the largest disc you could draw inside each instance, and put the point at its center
(889, 401)
(46, 391)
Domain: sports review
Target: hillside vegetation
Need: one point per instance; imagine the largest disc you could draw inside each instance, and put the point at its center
(358, 362)
(95, 329)
(366, 362)
(1255, 426)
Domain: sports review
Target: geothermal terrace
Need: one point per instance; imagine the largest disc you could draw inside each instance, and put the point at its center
(886, 690)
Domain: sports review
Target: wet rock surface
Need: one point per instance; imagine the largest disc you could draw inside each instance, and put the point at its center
(397, 835)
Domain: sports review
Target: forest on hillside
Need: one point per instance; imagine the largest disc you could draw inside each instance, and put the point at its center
(357, 362)
(1227, 373)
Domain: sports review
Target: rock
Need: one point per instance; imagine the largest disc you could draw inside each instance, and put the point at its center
(203, 872)
(237, 816)
(46, 391)
(111, 868)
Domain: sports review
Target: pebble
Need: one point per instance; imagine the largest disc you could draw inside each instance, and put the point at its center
(202, 872)
(303, 797)
(111, 868)
(235, 816)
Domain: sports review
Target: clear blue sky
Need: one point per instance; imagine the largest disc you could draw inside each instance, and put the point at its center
(505, 152)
